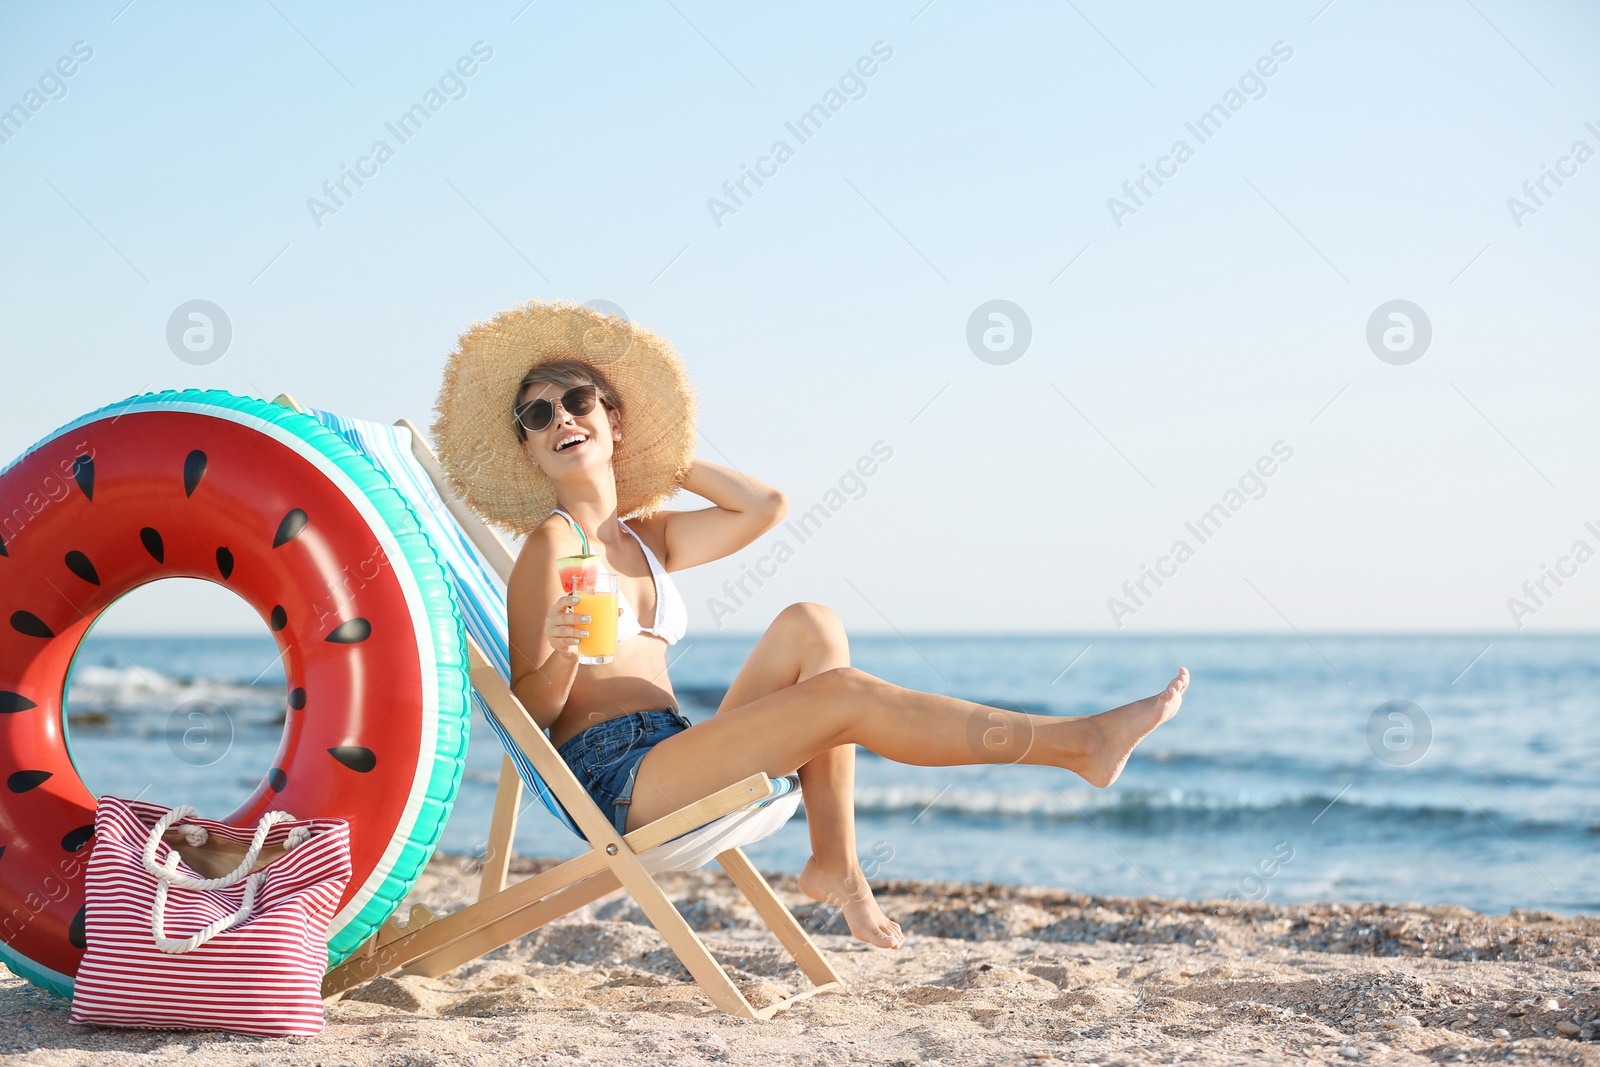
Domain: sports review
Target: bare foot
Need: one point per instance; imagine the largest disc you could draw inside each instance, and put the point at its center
(1119, 731)
(849, 892)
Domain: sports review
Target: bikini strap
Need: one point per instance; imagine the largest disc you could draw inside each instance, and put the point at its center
(650, 557)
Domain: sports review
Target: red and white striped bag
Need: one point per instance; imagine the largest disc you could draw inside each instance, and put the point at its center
(169, 950)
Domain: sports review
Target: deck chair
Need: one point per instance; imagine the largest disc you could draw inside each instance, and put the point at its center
(715, 826)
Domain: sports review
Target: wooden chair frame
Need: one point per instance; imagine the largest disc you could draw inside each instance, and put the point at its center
(432, 946)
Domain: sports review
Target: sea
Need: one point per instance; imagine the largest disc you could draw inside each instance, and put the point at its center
(1344, 767)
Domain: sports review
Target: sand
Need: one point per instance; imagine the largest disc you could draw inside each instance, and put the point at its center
(988, 975)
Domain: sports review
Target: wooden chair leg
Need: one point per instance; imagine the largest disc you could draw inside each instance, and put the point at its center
(675, 930)
(491, 936)
(812, 960)
(381, 958)
(502, 830)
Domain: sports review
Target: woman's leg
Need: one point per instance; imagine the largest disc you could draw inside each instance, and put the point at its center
(802, 642)
(782, 731)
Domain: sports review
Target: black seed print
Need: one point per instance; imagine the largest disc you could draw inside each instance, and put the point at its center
(290, 527)
(352, 632)
(358, 759)
(83, 474)
(194, 468)
(26, 622)
(79, 564)
(150, 537)
(22, 781)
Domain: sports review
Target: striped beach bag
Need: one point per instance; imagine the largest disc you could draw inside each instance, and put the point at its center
(169, 950)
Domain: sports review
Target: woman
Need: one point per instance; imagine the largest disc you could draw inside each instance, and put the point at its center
(601, 419)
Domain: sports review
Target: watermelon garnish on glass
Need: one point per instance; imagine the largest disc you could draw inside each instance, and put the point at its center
(573, 568)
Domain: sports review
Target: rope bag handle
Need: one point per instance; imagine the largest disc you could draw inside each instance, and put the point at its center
(167, 875)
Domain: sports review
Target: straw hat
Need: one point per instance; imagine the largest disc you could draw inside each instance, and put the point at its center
(473, 431)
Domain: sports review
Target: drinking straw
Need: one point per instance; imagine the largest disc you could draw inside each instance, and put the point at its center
(583, 535)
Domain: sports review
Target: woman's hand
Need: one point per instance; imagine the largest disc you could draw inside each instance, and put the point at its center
(563, 628)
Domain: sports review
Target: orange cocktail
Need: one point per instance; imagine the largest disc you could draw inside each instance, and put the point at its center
(597, 598)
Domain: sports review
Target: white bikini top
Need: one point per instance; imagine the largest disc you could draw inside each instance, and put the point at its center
(672, 617)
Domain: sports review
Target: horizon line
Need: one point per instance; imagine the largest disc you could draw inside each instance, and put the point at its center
(969, 634)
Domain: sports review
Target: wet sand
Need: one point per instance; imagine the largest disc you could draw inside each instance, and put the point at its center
(988, 975)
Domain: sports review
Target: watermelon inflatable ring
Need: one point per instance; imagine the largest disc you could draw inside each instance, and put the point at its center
(281, 510)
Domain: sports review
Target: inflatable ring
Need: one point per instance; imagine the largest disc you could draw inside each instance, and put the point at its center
(281, 510)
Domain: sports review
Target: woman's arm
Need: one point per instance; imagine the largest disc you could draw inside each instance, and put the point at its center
(745, 509)
(541, 676)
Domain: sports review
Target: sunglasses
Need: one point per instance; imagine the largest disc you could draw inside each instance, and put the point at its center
(536, 414)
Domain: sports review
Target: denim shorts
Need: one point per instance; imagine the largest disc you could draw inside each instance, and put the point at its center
(606, 756)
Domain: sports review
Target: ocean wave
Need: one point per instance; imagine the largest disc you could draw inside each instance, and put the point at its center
(1281, 766)
(1150, 808)
(96, 689)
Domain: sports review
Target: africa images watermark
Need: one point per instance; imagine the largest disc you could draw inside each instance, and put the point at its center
(367, 570)
(52, 86)
(1203, 528)
(452, 85)
(1537, 590)
(54, 490)
(1204, 127)
(54, 887)
(852, 485)
(809, 123)
(1579, 154)
(1252, 885)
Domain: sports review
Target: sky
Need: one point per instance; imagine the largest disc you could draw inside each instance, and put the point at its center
(1183, 338)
